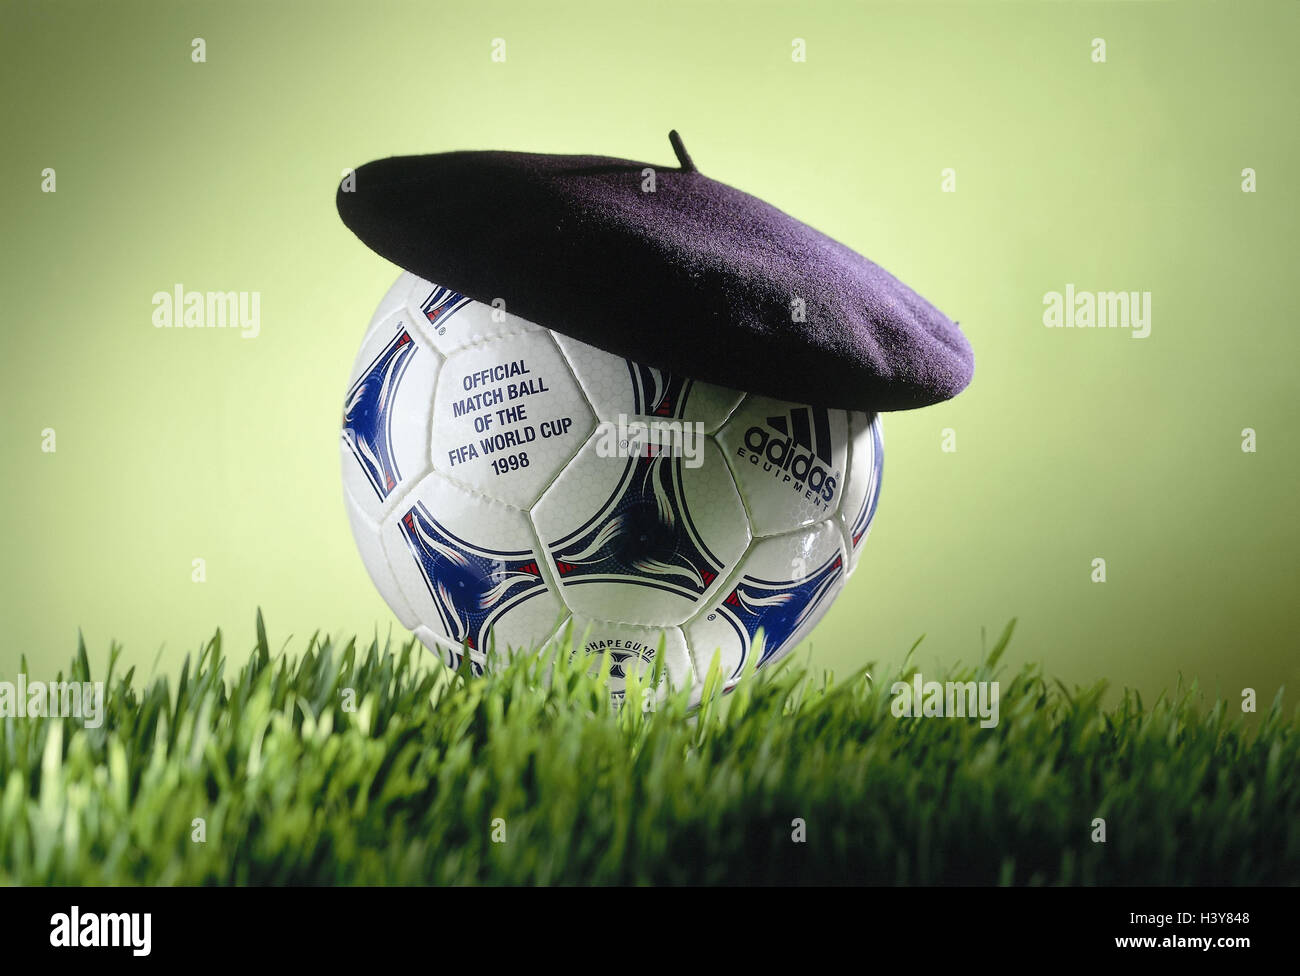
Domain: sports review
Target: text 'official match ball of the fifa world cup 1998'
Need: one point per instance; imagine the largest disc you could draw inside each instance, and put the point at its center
(509, 487)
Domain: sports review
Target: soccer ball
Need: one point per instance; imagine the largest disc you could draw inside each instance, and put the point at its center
(509, 487)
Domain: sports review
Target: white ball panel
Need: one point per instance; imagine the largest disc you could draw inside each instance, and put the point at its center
(862, 489)
(789, 461)
(534, 417)
(386, 415)
(633, 649)
(371, 546)
(451, 321)
(618, 387)
(784, 585)
(394, 302)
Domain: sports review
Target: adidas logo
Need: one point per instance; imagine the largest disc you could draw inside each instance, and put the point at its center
(809, 427)
(802, 438)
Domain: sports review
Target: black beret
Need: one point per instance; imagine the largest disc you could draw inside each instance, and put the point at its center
(694, 277)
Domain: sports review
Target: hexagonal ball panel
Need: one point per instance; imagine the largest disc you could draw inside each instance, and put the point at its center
(468, 568)
(789, 461)
(784, 585)
(508, 415)
(643, 539)
(619, 387)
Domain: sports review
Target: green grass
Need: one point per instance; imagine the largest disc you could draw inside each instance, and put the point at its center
(295, 787)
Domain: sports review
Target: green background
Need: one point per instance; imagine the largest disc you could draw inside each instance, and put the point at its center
(177, 444)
